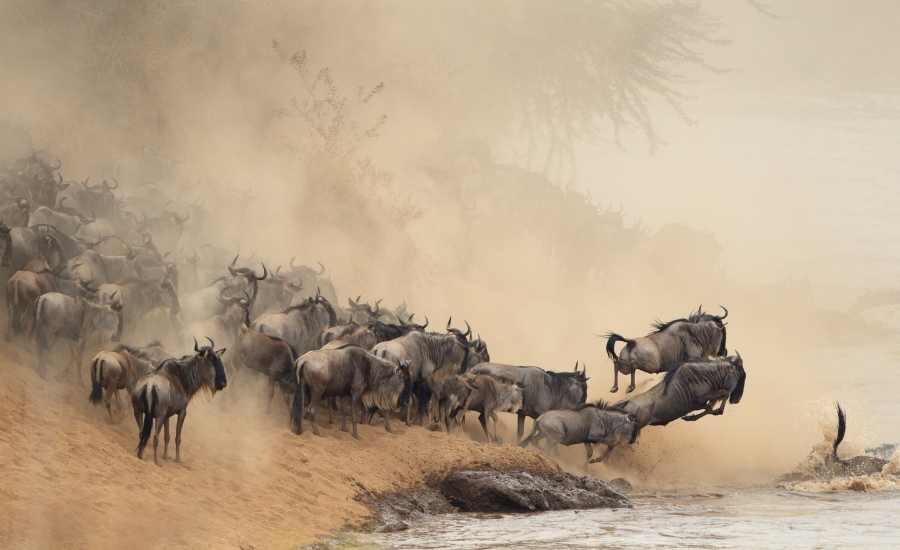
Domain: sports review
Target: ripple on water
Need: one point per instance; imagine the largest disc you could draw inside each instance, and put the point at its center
(762, 518)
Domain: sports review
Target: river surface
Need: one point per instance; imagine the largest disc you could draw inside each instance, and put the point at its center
(749, 518)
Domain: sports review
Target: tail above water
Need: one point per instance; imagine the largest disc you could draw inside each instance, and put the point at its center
(841, 431)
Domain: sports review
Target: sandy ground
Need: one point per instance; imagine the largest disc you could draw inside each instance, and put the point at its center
(70, 478)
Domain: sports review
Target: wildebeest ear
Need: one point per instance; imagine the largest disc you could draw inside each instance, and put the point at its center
(221, 351)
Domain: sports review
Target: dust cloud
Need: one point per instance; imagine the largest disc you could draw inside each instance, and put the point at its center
(471, 160)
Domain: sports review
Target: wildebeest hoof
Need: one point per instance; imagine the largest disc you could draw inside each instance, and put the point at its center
(630, 389)
(614, 389)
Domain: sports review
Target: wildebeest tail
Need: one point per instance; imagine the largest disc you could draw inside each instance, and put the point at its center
(841, 431)
(149, 407)
(298, 405)
(611, 339)
(96, 377)
(739, 388)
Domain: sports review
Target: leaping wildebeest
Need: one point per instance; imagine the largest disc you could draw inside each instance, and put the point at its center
(694, 386)
(590, 424)
(353, 372)
(671, 344)
(542, 390)
(168, 390)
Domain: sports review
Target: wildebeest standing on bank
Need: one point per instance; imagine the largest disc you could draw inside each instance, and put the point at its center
(351, 372)
(481, 393)
(672, 343)
(24, 288)
(116, 370)
(589, 424)
(267, 355)
(542, 390)
(77, 319)
(426, 353)
(168, 390)
(300, 326)
(694, 386)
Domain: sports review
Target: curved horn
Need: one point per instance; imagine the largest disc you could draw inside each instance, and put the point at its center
(291, 264)
(211, 343)
(576, 365)
(725, 309)
(264, 275)
(321, 269)
(449, 319)
(468, 330)
(196, 346)
(236, 256)
(426, 322)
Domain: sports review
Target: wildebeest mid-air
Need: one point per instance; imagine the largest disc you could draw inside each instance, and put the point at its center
(673, 342)
(694, 386)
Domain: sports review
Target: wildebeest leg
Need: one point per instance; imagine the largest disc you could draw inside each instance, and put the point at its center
(615, 386)
(354, 410)
(520, 426)
(387, 422)
(695, 417)
(589, 450)
(482, 419)
(336, 403)
(609, 449)
(721, 410)
(332, 405)
(178, 425)
(632, 385)
(166, 439)
(159, 425)
(496, 424)
(314, 399)
(271, 395)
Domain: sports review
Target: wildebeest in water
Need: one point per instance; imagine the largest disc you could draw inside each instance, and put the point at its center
(168, 390)
(589, 424)
(672, 343)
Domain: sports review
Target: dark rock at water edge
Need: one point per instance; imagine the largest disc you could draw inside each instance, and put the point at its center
(395, 511)
(620, 485)
(492, 491)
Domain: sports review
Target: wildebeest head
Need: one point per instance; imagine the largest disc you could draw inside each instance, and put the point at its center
(613, 426)
(701, 316)
(105, 318)
(211, 371)
(572, 385)
(738, 363)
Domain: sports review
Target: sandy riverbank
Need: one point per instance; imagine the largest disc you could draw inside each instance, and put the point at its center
(71, 480)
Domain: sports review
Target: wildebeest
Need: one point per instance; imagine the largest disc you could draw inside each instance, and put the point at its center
(16, 212)
(69, 221)
(314, 283)
(138, 299)
(300, 326)
(481, 393)
(23, 289)
(353, 372)
(224, 326)
(265, 354)
(366, 336)
(168, 390)
(98, 268)
(118, 369)
(589, 424)
(205, 302)
(695, 385)
(426, 352)
(542, 390)
(672, 343)
(20, 245)
(276, 292)
(78, 319)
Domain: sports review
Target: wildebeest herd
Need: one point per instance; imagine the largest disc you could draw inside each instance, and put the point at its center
(93, 270)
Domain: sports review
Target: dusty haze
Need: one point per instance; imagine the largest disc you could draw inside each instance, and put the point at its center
(411, 148)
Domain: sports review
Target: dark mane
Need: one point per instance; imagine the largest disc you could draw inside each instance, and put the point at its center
(660, 326)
